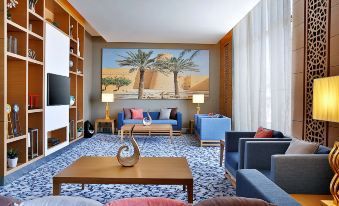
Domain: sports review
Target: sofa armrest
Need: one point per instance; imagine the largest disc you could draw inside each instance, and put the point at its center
(302, 174)
(253, 184)
(258, 153)
(179, 120)
(242, 142)
(121, 117)
(232, 140)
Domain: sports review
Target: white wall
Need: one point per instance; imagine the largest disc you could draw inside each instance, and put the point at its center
(56, 62)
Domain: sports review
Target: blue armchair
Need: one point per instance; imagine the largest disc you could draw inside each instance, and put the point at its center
(176, 123)
(294, 173)
(235, 148)
(210, 130)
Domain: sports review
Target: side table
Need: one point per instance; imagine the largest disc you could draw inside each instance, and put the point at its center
(97, 121)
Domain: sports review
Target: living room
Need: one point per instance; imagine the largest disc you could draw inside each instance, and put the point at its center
(169, 103)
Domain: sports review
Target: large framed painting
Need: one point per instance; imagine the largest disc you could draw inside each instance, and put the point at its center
(155, 73)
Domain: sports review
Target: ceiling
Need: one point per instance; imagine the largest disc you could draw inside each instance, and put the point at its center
(163, 21)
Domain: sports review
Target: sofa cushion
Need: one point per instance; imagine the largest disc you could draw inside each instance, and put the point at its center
(233, 201)
(137, 114)
(127, 113)
(263, 133)
(174, 112)
(61, 200)
(232, 158)
(302, 147)
(165, 113)
(323, 150)
(8, 201)
(146, 201)
(165, 121)
(135, 121)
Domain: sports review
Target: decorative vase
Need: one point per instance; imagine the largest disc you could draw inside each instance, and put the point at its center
(11, 163)
(71, 63)
(147, 121)
(131, 160)
(79, 134)
(71, 100)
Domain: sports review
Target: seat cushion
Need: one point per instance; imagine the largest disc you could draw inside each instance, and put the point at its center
(165, 121)
(232, 158)
(233, 201)
(132, 121)
(146, 201)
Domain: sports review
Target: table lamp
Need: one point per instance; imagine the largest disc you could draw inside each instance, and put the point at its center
(326, 108)
(197, 99)
(107, 97)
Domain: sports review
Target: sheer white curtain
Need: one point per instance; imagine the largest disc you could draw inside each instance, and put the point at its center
(262, 68)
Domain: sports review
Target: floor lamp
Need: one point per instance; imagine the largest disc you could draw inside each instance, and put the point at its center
(326, 108)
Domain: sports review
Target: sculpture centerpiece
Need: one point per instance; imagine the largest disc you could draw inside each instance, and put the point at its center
(147, 121)
(129, 161)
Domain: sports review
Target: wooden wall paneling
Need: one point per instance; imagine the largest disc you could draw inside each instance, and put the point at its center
(226, 66)
(316, 63)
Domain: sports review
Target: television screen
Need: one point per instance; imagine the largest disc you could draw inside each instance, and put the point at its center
(57, 90)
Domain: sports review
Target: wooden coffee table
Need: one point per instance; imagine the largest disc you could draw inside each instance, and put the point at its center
(107, 170)
(153, 128)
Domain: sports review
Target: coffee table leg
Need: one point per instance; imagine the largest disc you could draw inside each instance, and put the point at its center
(171, 136)
(56, 188)
(184, 188)
(190, 193)
(82, 186)
(122, 135)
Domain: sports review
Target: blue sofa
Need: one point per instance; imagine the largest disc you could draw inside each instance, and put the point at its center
(235, 148)
(210, 130)
(253, 184)
(294, 173)
(176, 123)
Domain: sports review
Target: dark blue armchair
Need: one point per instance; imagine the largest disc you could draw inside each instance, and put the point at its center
(235, 148)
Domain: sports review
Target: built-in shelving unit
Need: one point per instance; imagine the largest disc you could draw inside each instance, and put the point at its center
(22, 74)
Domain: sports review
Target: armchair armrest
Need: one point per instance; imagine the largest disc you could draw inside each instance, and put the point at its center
(302, 174)
(121, 117)
(232, 140)
(242, 142)
(258, 153)
(179, 120)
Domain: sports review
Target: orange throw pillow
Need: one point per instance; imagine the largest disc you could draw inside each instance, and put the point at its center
(263, 133)
(137, 114)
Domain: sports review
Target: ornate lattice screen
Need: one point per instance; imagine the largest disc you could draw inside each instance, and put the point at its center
(316, 63)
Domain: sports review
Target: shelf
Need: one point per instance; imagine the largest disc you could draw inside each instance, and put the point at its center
(34, 16)
(14, 139)
(35, 36)
(34, 159)
(19, 166)
(14, 27)
(12, 56)
(71, 72)
(30, 111)
(72, 107)
(80, 120)
(33, 61)
(79, 57)
(72, 39)
(76, 139)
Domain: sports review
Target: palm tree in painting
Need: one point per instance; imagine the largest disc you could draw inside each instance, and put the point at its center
(177, 65)
(138, 61)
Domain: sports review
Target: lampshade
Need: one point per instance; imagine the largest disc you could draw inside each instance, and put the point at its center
(198, 98)
(107, 97)
(326, 99)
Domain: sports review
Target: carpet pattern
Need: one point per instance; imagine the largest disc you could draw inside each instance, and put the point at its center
(208, 177)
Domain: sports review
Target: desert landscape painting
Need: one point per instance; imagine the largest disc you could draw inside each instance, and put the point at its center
(155, 73)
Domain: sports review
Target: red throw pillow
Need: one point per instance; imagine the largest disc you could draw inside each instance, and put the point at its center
(263, 133)
(137, 114)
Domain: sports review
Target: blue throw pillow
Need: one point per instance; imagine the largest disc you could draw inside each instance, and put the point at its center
(323, 150)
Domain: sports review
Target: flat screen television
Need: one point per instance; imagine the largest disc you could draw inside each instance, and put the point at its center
(57, 90)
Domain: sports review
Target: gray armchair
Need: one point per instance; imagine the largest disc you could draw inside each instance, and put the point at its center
(295, 174)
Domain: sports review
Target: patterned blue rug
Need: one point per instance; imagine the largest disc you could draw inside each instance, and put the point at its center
(208, 177)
